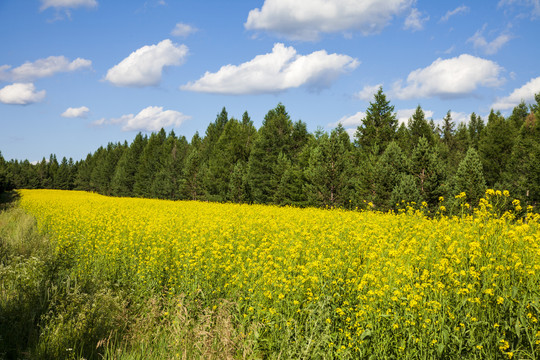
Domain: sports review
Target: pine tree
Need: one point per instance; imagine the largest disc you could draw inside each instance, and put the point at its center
(476, 127)
(328, 173)
(469, 177)
(495, 147)
(379, 126)
(428, 172)
(522, 177)
(387, 174)
(274, 137)
(123, 179)
(406, 191)
(419, 127)
(192, 185)
(150, 163)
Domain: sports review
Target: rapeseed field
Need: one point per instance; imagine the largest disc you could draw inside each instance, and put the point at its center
(327, 283)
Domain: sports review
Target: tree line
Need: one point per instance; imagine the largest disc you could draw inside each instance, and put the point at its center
(281, 163)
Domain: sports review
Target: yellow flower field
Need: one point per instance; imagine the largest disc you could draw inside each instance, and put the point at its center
(383, 284)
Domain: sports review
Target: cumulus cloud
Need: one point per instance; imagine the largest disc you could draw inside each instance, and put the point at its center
(79, 112)
(459, 10)
(450, 78)
(415, 21)
(479, 42)
(367, 92)
(183, 30)
(351, 121)
(525, 93)
(144, 66)
(42, 68)
(45, 4)
(277, 71)
(21, 94)
(152, 118)
(306, 20)
(403, 115)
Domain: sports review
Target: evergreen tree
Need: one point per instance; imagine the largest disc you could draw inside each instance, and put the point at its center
(469, 177)
(406, 191)
(192, 186)
(419, 127)
(495, 147)
(387, 174)
(4, 177)
(64, 180)
(428, 172)
(274, 137)
(448, 131)
(123, 179)
(237, 184)
(328, 173)
(150, 163)
(522, 177)
(379, 126)
(476, 127)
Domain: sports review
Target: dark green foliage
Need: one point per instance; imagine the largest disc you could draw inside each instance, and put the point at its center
(274, 137)
(150, 163)
(419, 127)
(522, 177)
(406, 191)
(495, 147)
(329, 172)
(379, 126)
(387, 174)
(428, 171)
(469, 177)
(282, 163)
(123, 179)
(476, 127)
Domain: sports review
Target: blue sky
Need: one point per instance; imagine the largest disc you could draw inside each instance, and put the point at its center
(77, 74)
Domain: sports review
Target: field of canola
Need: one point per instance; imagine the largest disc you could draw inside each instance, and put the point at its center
(369, 283)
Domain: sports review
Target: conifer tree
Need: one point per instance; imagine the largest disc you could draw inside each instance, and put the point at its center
(495, 147)
(379, 126)
(150, 164)
(476, 127)
(419, 127)
(522, 177)
(469, 177)
(123, 179)
(274, 137)
(406, 191)
(428, 172)
(387, 174)
(328, 173)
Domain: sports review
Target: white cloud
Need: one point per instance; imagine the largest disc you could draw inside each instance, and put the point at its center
(479, 42)
(152, 118)
(183, 30)
(459, 10)
(533, 7)
(144, 66)
(403, 115)
(450, 78)
(45, 4)
(42, 68)
(79, 112)
(352, 121)
(21, 94)
(306, 20)
(277, 71)
(367, 92)
(525, 93)
(415, 21)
